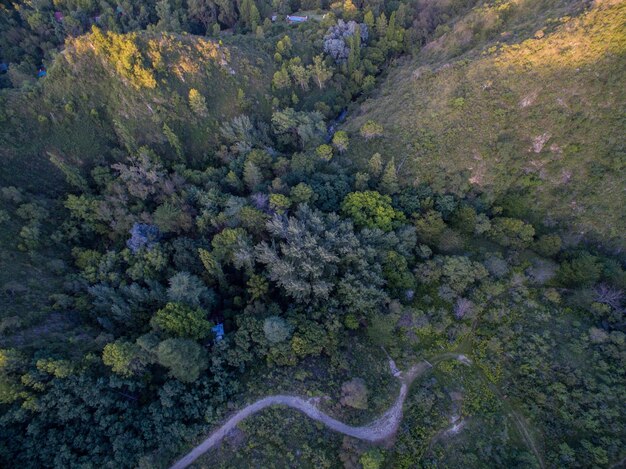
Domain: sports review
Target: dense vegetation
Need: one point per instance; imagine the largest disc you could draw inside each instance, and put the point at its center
(186, 164)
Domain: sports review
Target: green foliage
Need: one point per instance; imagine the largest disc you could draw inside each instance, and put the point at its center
(182, 321)
(324, 152)
(301, 194)
(372, 459)
(511, 232)
(430, 226)
(370, 130)
(341, 141)
(548, 245)
(276, 329)
(152, 124)
(184, 358)
(198, 103)
(279, 203)
(171, 218)
(389, 181)
(188, 289)
(122, 357)
(371, 209)
(582, 270)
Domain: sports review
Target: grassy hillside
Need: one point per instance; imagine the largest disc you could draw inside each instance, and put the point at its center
(105, 90)
(537, 125)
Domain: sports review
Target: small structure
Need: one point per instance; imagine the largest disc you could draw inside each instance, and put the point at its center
(218, 331)
(274, 17)
(58, 16)
(291, 19)
(42, 72)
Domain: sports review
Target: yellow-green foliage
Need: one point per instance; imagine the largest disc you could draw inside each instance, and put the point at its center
(543, 116)
(120, 52)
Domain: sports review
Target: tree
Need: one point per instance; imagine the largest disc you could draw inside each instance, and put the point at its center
(276, 329)
(548, 245)
(249, 14)
(172, 218)
(279, 203)
(372, 459)
(324, 152)
(381, 25)
(184, 358)
(371, 129)
(197, 102)
(258, 287)
(354, 56)
(375, 165)
(430, 226)
(583, 270)
(396, 272)
(454, 272)
(304, 255)
(300, 75)
(297, 129)
(341, 141)
(511, 232)
(226, 243)
(211, 265)
(188, 289)
(181, 320)
(252, 175)
(389, 182)
(122, 357)
(354, 394)
(464, 219)
(371, 209)
(301, 194)
(320, 72)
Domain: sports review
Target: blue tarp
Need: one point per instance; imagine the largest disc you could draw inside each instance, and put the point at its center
(218, 331)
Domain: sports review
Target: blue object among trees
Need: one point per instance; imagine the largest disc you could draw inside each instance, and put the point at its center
(218, 331)
(143, 235)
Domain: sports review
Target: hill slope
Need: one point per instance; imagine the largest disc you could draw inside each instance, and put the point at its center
(537, 124)
(134, 89)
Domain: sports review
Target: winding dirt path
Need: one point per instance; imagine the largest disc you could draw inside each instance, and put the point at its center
(377, 430)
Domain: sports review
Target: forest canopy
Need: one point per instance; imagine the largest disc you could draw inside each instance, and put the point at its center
(206, 202)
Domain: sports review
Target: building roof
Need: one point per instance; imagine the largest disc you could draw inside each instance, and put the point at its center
(297, 19)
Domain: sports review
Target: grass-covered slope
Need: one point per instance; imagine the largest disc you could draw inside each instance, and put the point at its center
(107, 89)
(537, 124)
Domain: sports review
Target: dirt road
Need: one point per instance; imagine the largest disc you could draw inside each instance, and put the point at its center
(378, 430)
